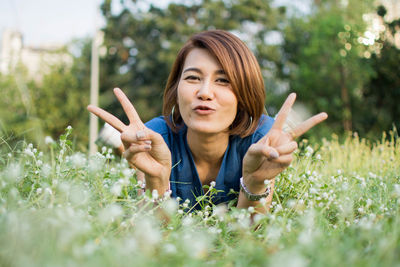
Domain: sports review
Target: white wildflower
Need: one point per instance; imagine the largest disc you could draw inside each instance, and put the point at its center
(278, 208)
(220, 211)
(345, 186)
(187, 221)
(116, 189)
(309, 151)
(48, 140)
(127, 172)
(167, 194)
(396, 190)
(154, 194)
(212, 184)
(69, 127)
(250, 209)
(170, 206)
(48, 191)
(78, 160)
(29, 152)
(13, 172)
(148, 234)
(110, 213)
(313, 190)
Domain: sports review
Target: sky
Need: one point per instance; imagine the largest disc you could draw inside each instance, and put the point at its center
(59, 21)
(52, 21)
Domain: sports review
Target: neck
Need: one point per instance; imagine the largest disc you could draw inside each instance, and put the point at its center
(207, 148)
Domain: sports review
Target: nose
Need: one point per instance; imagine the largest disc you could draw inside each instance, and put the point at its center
(205, 91)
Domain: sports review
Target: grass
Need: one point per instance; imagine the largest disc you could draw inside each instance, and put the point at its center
(338, 204)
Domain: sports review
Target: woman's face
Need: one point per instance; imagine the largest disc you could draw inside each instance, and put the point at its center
(206, 101)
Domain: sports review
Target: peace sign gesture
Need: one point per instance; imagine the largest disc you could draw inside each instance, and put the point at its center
(144, 148)
(274, 152)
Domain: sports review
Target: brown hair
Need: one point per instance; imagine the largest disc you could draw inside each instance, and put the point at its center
(242, 70)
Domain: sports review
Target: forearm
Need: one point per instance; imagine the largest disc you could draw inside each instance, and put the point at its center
(152, 183)
(259, 206)
(161, 184)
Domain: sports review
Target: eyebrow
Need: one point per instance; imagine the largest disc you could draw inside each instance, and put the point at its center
(199, 71)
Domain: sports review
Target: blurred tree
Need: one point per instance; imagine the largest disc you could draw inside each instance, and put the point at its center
(324, 61)
(382, 93)
(34, 109)
(142, 44)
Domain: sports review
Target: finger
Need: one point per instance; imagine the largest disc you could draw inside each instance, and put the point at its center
(107, 117)
(134, 149)
(284, 112)
(259, 149)
(287, 148)
(130, 136)
(284, 160)
(129, 109)
(146, 135)
(308, 124)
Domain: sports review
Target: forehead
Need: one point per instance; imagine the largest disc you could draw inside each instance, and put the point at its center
(202, 59)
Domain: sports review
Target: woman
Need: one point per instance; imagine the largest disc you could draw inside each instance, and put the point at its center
(213, 129)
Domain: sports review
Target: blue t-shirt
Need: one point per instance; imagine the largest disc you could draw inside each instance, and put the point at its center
(184, 179)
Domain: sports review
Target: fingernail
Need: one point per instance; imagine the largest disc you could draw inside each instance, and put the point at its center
(140, 134)
(148, 142)
(274, 155)
(147, 147)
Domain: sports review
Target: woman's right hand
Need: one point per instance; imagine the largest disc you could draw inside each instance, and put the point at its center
(145, 149)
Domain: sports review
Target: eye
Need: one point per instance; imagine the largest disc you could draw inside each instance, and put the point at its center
(192, 78)
(222, 81)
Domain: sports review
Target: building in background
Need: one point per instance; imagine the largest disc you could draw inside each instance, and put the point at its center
(37, 60)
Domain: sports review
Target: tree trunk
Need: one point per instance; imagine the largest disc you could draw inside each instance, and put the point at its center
(347, 116)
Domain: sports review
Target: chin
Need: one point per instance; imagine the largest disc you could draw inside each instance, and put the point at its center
(207, 128)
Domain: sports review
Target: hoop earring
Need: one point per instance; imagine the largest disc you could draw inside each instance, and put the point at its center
(251, 121)
(172, 116)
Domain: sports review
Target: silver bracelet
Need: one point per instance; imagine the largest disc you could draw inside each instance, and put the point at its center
(250, 196)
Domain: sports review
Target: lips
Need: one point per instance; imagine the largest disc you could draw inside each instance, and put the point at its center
(203, 109)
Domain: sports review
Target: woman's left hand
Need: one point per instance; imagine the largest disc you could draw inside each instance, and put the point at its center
(274, 152)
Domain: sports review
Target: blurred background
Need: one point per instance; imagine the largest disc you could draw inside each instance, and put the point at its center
(339, 56)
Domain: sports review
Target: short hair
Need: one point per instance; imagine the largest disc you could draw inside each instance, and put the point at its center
(242, 70)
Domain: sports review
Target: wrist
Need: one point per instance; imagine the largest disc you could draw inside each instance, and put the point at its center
(157, 182)
(254, 186)
(254, 195)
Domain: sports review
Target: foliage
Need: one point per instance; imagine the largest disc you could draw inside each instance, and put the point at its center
(338, 204)
(324, 61)
(33, 109)
(382, 92)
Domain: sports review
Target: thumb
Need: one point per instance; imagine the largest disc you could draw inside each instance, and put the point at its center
(144, 135)
(260, 149)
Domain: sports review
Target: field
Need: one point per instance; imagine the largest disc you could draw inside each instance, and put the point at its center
(337, 205)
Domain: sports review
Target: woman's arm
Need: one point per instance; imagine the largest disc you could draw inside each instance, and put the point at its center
(272, 154)
(144, 149)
